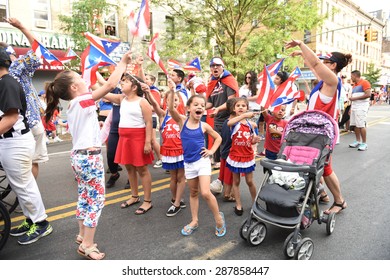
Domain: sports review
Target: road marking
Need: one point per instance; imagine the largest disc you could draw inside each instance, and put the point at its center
(218, 252)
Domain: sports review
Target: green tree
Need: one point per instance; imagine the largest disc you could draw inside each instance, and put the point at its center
(246, 33)
(372, 74)
(86, 16)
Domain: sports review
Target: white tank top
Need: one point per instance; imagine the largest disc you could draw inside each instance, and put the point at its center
(131, 114)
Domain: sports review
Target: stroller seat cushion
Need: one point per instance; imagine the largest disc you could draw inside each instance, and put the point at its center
(301, 154)
(275, 194)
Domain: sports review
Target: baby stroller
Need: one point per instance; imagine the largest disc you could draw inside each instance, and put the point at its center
(289, 194)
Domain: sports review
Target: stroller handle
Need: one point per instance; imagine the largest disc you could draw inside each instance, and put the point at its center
(284, 166)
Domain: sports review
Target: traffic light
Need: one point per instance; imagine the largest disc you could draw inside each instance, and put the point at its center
(374, 35)
(367, 35)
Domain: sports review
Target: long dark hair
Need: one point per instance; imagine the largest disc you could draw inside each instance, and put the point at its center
(252, 85)
(135, 80)
(56, 90)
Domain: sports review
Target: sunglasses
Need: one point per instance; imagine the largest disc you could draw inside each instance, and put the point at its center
(248, 77)
(215, 65)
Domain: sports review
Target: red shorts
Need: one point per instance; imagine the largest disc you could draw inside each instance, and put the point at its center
(225, 175)
(328, 168)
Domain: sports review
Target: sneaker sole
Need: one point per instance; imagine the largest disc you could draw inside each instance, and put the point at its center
(46, 233)
(18, 234)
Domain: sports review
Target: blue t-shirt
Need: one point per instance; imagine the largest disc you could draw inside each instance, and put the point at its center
(192, 142)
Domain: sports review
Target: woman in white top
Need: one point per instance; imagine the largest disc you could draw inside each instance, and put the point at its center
(134, 148)
(86, 156)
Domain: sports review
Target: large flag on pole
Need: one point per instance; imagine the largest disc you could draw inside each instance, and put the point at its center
(153, 54)
(103, 44)
(140, 26)
(267, 88)
(44, 53)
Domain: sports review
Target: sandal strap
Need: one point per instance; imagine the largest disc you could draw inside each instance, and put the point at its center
(90, 250)
(135, 196)
(148, 201)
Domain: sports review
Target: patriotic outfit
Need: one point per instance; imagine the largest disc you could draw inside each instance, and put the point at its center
(273, 141)
(171, 149)
(319, 101)
(193, 142)
(241, 157)
(86, 158)
(132, 135)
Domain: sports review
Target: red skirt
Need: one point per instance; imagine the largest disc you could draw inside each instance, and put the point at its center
(130, 149)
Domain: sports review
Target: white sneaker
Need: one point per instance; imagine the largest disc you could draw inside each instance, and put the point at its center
(57, 139)
(216, 186)
(158, 164)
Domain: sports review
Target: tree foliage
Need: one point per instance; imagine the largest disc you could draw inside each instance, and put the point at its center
(87, 15)
(372, 74)
(246, 33)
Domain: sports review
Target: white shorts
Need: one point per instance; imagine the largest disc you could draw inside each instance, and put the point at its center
(202, 167)
(359, 118)
(40, 153)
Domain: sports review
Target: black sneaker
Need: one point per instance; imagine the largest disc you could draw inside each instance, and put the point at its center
(173, 210)
(182, 203)
(35, 233)
(22, 228)
(111, 182)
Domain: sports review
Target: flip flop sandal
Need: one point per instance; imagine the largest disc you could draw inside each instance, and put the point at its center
(86, 252)
(229, 199)
(126, 205)
(188, 230)
(222, 230)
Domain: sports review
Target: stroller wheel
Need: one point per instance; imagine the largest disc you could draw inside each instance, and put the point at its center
(244, 228)
(305, 249)
(330, 223)
(288, 247)
(256, 234)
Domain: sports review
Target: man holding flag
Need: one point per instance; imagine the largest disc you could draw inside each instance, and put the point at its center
(23, 69)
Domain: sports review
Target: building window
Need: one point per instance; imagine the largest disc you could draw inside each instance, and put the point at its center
(42, 14)
(110, 24)
(3, 10)
(170, 27)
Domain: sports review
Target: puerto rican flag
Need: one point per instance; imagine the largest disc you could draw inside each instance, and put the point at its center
(104, 45)
(267, 88)
(44, 53)
(287, 88)
(140, 26)
(69, 56)
(193, 65)
(153, 54)
(289, 98)
(173, 64)
(91, 59)
(273, 69)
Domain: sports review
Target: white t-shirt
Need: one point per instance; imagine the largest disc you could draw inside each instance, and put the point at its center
(83, 122)
(245, 92)
(131, 114)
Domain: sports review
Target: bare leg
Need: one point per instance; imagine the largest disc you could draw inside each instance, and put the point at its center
(204, 183)
(334, 186)
(146, 180)
(194, 201)
(181, 183)
(236, 190)
(88, 235)
(251, 185)
(35, 170)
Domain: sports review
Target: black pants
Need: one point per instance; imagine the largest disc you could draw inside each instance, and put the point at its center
(345, 116)
(112, 143)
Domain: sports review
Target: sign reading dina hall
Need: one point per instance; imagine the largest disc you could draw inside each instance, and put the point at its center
(49, 40)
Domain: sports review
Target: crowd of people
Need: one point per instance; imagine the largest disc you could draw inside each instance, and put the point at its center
(202, 125)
